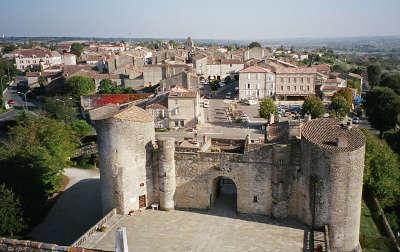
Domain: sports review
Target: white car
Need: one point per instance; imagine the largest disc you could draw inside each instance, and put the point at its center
(206, 103)
(251, 102)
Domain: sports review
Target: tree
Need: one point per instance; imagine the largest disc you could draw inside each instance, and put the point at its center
(374, 72)
(346, 93)
(267, 107)
(254, 44)
(341, 67)
(32, 161)
(382, 107)
(392, 137)
(81, 128)
(77, 49)
(11, 215)
(39, 146)
(391, 80)
(60, 108)
(339, 106)
(313, 106)
(9, 48)
(381, 172)
(354, 83)
(42, 80)
(214, 84)
(106, 87)
(80, 85)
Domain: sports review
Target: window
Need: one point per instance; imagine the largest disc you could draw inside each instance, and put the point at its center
(255, 199)
(270, 77)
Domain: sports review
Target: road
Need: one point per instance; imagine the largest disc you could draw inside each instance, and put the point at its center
(19, 99)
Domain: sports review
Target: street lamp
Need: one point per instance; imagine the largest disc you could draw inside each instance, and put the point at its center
(26, 103)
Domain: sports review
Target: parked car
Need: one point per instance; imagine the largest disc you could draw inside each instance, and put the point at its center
(244, 118)
(356, 120)
(206, 103)
(250, 102)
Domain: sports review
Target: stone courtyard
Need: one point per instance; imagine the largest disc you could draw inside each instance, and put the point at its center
(201, 231)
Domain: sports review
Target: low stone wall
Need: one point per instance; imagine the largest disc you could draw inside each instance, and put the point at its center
(93, 229)
(12, 245)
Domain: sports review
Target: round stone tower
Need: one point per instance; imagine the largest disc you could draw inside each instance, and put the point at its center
(125, 142)
(333, 164)
(166, 173)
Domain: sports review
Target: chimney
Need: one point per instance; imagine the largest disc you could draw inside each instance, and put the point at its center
(341, 142)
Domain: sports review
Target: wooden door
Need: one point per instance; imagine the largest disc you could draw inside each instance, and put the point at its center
(142, 201)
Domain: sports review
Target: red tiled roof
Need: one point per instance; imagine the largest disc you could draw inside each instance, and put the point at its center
(181, 92)
(37, 52)
(300, 70)
(156, 106)
(104, 99)
(322, 67)
(255, 69)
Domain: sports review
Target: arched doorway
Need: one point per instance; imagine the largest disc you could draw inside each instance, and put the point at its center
(223, 197)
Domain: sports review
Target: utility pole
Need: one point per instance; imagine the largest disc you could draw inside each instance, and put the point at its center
(26, 102)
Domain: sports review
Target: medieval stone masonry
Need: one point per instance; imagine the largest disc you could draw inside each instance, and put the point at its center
(313, 174)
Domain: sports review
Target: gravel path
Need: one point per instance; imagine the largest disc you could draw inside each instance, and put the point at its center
(77, 209)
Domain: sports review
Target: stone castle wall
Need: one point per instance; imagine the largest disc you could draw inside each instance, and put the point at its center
(251, 172)
(320, 173)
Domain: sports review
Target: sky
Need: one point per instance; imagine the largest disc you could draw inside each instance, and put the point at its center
(201, 19)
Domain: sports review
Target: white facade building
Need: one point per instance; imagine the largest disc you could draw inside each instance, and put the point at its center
(256, 82)
(35, 57)
(69, 59)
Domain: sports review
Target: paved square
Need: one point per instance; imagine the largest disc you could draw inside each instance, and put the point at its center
(191, 231)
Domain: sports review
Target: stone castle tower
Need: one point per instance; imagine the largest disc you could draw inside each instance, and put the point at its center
(332, 170)
(315, 177)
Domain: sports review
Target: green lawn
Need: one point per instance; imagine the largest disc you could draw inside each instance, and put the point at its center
(370, 237)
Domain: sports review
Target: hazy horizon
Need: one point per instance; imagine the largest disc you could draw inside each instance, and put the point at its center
(213, 20)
